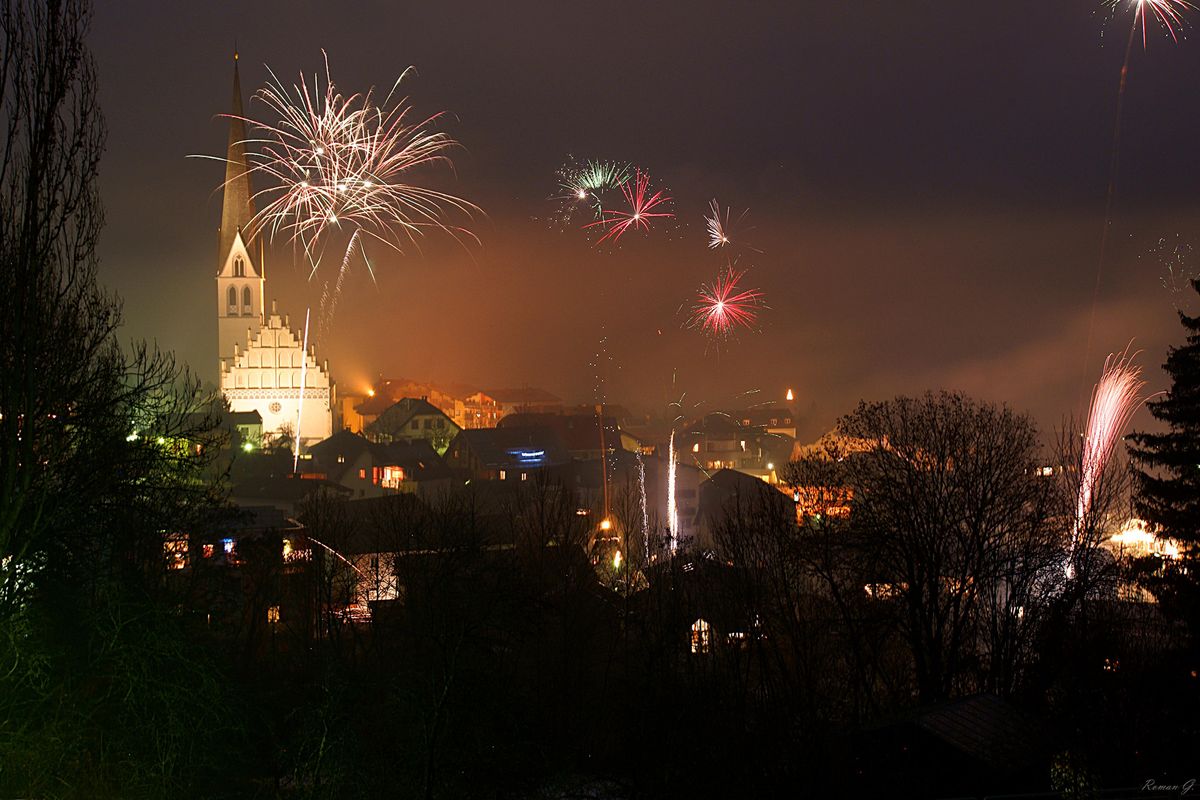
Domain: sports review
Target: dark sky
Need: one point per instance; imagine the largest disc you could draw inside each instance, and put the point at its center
(926, 182)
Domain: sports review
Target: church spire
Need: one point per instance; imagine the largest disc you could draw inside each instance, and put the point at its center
(238, 206)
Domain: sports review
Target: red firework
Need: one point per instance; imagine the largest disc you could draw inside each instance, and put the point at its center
(723, 306)
(640, 208)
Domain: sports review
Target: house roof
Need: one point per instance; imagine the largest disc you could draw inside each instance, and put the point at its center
(419, 459)
(982, 726)
(400, 413)
(728, 487)
(512, 447)
(527, 394)
(577, 431)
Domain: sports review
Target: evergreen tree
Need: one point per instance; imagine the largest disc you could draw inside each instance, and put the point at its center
(1168, 471)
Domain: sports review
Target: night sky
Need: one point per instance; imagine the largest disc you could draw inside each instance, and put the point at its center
(926, 182)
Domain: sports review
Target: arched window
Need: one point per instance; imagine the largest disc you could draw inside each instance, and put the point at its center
(233, 306)
(246, 301)
(239, 268)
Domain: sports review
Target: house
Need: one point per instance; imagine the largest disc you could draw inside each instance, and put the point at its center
(410, 419)
(505, 453)
(723, 441)
(371, 469)
(727, 493)
(510, 401)
(580, 433)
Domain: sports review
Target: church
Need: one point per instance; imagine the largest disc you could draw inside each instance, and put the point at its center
(265, 365)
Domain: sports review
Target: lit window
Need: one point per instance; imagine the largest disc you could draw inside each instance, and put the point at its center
(524, 475)
(362, 473)
(227, 546)
(392, 477)
(701, 636)
(273, 614)
(341, 459)
(175, 551)
(502, 475)
(208, 550)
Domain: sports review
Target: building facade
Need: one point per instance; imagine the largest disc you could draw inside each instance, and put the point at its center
(264, 366)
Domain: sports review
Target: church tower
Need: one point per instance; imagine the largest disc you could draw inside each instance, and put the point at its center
(239, 273)
(264, 365)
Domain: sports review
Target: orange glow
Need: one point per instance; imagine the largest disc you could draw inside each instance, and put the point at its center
(790, 396)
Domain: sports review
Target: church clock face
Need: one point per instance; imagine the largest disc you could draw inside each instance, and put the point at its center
(276, 407)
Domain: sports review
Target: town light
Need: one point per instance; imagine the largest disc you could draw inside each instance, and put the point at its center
(790, 396)
(605, 524)
(617, 560)
(247, 446)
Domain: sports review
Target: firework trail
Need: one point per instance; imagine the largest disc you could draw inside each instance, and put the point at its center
(1169, 14)
(645, 512)
(331, 164)
(723, 306)
(300, 405)
(1114, 400)
(641, 205)
(672, 507)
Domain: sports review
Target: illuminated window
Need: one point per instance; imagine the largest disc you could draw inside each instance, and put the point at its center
(524, 475)
(227, 546)
(273, 614)
(208, 550)
(502, 475)
(341, 459)
(362, 473)
(392, 477)
(175, 551)
(701, 636)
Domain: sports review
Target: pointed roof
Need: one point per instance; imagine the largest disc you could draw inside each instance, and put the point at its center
(237, 208)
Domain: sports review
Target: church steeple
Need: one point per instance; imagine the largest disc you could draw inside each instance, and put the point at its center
(237, 208)
(240, 286)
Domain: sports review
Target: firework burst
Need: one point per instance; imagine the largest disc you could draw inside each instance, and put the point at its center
(587, 183)
(641, 209)
(720, 231)
(724, 306)
(1169, 14)
(332, 165)
(1114, 400)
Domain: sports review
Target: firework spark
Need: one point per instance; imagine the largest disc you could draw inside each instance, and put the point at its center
(1114, 400)
(1175, 259)
(641, 205)
(723, 306)
(334, 164)
(718, 225)
(1169, 14)
(588, 182)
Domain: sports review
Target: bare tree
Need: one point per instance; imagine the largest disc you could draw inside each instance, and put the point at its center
(945, 491)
